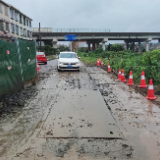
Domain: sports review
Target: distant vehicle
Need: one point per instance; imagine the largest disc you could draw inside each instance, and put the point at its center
(68, 61)
(41, 57)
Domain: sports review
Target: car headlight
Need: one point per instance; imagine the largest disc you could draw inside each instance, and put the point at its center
(60, 62)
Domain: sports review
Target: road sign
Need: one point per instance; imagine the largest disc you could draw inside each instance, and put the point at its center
(70, 37)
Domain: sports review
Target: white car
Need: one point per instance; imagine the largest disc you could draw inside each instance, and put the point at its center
(68, 61)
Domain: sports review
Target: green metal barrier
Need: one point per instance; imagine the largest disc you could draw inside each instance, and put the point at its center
(28, 59)
(10, 78)
(17, 65)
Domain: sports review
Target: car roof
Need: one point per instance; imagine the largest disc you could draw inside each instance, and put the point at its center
(67, 52)
(40, 52)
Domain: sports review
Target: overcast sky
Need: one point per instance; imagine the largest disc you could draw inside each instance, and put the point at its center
(116, 15)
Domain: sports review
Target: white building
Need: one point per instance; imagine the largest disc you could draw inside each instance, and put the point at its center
(14, 23)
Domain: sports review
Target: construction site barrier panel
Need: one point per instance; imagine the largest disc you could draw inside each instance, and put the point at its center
(17, 64)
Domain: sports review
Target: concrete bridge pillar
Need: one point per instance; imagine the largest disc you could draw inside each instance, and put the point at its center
(103, 43)
(147, 43)
(103, 46)
(54, 42)
(89, 46)
(97, 45)
(93, 46)
(139, 46)
(147, 46)
(127, 46)
(133, 44)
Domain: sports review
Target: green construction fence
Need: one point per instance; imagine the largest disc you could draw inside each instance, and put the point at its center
(17, 65)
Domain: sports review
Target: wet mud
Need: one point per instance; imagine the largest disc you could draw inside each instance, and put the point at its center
(52, 119)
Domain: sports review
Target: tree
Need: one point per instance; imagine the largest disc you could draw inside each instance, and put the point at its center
(117, 47)
(50, 50)
(99, 49)
(47, 49)
(109, 47)
(62, 48)
(82, 49)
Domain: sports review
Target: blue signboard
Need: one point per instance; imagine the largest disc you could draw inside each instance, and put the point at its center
(70, 37)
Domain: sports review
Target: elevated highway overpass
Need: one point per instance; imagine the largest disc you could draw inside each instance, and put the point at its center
(50, 37)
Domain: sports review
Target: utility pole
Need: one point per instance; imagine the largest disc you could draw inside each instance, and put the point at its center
(40, 35)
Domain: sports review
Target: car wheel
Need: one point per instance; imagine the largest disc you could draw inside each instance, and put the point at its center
(58, 69)
(46, 63)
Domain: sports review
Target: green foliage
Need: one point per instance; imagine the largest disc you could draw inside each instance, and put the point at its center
(148, 62)
(116, 47)
(99, 50)
(82, 49)
(62, 48)
(91, 58)
(47, 49)
(50, 50)
(137, 62)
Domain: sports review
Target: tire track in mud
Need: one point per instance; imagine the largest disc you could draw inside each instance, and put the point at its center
(18, 127)
(72, 148)
(100, 148)
(131, 113)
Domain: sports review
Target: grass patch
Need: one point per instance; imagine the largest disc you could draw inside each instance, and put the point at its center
(90, 60)
(50, 57)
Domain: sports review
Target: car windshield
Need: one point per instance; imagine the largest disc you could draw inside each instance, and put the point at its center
(68, 55)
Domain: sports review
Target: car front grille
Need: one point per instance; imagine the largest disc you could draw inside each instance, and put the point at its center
(68, 68)
(69, 63)
(65, 63)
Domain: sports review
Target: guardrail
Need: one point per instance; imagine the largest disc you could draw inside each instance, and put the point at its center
(71, 30)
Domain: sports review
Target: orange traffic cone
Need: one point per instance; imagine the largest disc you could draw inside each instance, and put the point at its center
(99, 60)
(123, 77)
(102, 63)
(38, 69)
(130, 81)
(143, 81)
(151, 91)
(119, 74)
(109, 68)
(98, 63)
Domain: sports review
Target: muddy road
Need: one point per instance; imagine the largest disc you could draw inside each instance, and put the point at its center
(78, 115)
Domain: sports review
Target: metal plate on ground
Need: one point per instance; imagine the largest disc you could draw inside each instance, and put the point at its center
(80, 114)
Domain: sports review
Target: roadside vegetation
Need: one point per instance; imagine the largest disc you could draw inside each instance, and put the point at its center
(52, 51)
(50, 57)
(127, 60)
(91, 58)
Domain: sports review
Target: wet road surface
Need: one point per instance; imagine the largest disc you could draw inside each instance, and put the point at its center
(78, 115)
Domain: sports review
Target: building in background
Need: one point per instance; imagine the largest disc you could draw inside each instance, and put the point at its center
(14, 23)
(75, 45)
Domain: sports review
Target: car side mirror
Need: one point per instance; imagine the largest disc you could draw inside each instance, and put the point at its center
(79, 57)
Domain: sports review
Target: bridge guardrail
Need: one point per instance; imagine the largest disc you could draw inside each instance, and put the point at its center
(71, 30)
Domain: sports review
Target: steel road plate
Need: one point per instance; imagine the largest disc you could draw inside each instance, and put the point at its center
(80, 114)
